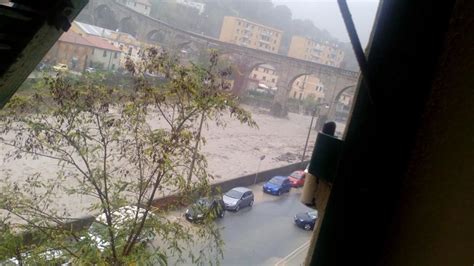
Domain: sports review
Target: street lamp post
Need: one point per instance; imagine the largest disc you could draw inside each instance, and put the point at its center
(316, 109)
(258, 168)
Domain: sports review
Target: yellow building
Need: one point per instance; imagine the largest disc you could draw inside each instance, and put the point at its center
(307, 86)
(323, 53)
(263, 74)
(250, 34)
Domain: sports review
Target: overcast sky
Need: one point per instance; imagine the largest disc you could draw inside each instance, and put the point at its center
(326, 15)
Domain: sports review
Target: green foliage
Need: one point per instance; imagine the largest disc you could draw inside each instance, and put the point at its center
(107, 150)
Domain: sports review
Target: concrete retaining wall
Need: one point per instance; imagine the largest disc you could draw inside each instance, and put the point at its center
(174, 201)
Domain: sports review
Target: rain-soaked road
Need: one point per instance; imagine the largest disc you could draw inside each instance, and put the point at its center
(264, 234)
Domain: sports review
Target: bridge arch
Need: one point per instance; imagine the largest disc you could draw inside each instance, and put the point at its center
(105, 17)
(338, 95)
(156, 36)
(128, 25)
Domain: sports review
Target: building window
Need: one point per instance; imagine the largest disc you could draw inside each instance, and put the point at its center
(239, 23)
(254, 76)
(297, 83)
(105, 53)
(264, 78)
(115, 55)
(146, 7)
(113, 66)
(273, 80)
(301, 95)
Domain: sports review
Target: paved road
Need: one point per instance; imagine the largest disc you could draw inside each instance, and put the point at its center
(263, 234)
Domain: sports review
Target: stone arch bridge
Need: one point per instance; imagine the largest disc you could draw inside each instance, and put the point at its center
(112, 13)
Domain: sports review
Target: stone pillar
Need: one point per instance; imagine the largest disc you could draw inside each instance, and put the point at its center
(279, 106)
(241, 75)
(330, 83)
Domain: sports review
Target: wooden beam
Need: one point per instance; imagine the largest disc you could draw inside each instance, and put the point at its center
(34, 51)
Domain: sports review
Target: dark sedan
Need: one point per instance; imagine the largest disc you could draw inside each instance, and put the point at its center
(205, 208)
(306, 220)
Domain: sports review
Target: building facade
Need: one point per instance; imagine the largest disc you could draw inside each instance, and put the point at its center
(323, 53)
(201, 7)
(71, 49)
(82, 51)
(307, 86)
(128, 45)
(343, 106)
(250, 34)
(263, 74)
(104, 55)
(142, 6)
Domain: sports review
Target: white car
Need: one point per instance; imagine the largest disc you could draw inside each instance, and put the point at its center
(51, 257)
(60, 67)
(90, 70)
(98, 231)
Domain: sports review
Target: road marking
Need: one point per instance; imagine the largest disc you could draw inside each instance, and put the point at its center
(295, 252)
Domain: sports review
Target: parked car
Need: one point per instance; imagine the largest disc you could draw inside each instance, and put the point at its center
(297, 178)
(205, 208)
(237, 198)
(48, 257)
(277, 185)
(42, 66)
(90, 70)
(60, 67)
(306, 220)
(98, 231)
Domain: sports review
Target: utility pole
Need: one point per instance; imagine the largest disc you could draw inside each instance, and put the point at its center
(258, 168)
(309, 133)
(316, 109)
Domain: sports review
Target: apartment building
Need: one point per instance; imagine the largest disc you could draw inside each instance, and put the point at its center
(263, 74)
(323, 53)
(142, 6)
(307, 86)
(250, 34)
(78, 52)
(201, 7)
(128, 45)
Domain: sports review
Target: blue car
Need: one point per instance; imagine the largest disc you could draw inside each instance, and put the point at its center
(277, 185)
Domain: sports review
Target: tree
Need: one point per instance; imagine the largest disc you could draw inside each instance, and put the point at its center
(108, 151)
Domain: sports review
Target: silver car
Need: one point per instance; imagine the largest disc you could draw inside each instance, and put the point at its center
(237, 198)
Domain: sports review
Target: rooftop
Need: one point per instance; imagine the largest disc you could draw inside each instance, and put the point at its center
(92, 41)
